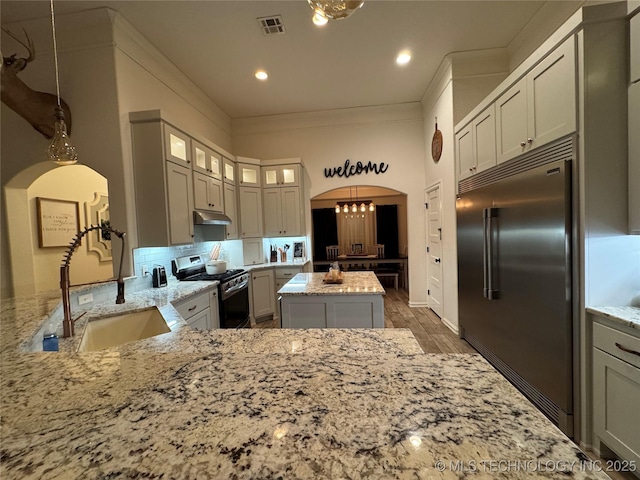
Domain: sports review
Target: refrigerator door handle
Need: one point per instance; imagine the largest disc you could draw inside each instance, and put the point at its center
(489, 291)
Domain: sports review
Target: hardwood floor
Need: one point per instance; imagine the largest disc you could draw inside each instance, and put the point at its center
(432, 335)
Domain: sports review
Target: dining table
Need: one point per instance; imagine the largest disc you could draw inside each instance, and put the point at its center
(366, 261)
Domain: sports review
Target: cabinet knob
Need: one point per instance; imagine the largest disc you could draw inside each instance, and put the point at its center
(471, 169)
(522, 144)
(529, 140)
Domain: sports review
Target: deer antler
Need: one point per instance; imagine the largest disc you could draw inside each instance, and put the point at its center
(38, 108)
(10, 61)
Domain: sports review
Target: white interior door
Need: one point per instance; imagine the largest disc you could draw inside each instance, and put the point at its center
(434, 248)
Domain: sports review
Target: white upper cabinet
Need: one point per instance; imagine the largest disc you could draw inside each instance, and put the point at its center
(248, 175)
(540, 107)
(281, 176)
(476, 145)
(511, 116)
(464, 153)
(163, 187)
(282, 212)
(231, 210)
(634, 43)
(484, 139)
(180, 204)
(229, 170)
(551, 96)
(206, 160)
(634, 126)
(207, 193)
(177, 146)
(250, 211)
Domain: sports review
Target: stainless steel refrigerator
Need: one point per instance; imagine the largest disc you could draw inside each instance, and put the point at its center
(514, 276)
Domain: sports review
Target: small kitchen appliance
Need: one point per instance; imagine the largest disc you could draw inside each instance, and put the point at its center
(233, 289)
(159, 276)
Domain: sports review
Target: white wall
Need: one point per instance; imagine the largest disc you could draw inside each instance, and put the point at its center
(146, 80)
(390, 134)
(39, 267)
(107, 69)
(438, 102)
(87, 84)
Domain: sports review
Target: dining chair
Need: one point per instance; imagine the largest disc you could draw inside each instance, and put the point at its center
(332, 252)
(378, 249)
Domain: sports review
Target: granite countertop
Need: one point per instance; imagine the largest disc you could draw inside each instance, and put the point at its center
(304, 404)
(354, 283)
(260, 266)
(629, 316)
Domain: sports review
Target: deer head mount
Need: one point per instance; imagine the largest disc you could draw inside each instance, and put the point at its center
(37, 108)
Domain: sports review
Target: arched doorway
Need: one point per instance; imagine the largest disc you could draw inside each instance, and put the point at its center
(383, 224)
(78, 196)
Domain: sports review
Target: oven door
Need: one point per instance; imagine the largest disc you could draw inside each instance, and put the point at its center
(234, 307)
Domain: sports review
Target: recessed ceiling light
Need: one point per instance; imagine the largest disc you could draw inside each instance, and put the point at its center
(403, 58)
(261, 75)
(319, 19)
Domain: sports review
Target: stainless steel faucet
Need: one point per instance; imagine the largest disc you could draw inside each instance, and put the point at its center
(68, 322)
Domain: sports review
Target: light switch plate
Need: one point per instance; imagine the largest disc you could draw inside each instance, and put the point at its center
(83, 299)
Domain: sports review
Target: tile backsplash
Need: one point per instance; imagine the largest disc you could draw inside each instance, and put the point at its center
(230, 250)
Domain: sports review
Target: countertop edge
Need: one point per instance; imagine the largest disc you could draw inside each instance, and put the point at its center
(625, 315)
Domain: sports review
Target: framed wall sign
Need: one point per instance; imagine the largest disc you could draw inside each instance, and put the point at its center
(298, 249)
(58, 222)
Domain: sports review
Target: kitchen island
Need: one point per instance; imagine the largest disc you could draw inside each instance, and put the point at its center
(307, 301)
(304, 404)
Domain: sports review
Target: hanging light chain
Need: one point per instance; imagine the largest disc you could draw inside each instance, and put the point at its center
(55, 52)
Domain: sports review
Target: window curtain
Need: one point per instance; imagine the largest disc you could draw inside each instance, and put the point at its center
(325, 231)
(387, 229)
(356, 228)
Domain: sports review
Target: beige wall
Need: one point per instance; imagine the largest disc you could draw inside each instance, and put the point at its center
(39, 267)
(87, 84)
(438, 103)
(107, 69)
(392, 134)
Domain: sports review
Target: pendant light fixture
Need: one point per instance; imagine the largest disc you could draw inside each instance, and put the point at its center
(60, 149)
(354, 205)
(325, 10)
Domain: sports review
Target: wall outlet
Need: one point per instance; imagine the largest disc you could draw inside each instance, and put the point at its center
(144, 270)
(84, 299)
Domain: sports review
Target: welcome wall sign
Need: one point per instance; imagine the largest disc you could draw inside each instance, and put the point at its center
(349, 169)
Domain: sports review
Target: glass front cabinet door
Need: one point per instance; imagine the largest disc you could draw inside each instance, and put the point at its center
(281, 176)
(206, 160)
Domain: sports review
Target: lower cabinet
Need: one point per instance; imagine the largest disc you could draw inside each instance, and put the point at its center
(332, 311)
(283, 275)
(262, 294)
(197, 310)
(616, 392)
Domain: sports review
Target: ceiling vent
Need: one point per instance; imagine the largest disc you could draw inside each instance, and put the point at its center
(271, 25)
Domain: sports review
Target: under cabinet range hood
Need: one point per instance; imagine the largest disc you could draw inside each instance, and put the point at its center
(210, 218)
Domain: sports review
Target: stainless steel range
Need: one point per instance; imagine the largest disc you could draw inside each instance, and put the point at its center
(233, 290)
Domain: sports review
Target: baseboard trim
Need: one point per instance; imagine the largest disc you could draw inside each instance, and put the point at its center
(418, 304)
(451, 326)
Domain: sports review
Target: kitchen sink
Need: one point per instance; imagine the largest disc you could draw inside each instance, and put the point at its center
(115, 331)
